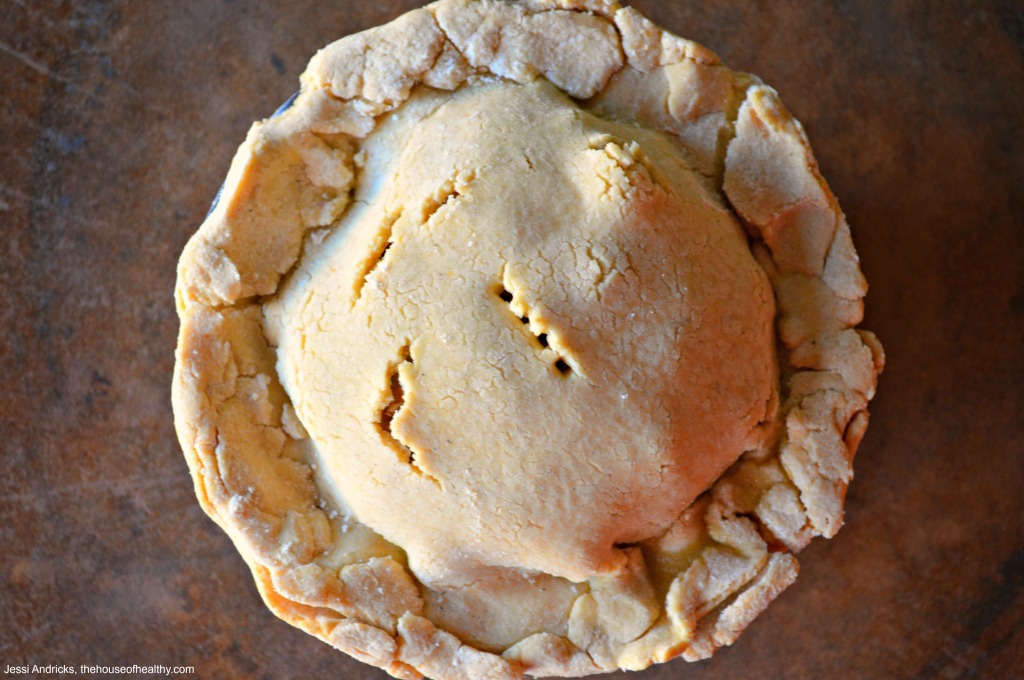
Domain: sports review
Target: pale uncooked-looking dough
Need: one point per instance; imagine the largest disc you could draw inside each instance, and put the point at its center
(536, 445)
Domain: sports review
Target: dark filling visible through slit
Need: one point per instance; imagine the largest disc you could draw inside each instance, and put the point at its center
(390, 412)
(395, 404)
(397, 400)
(542, 338)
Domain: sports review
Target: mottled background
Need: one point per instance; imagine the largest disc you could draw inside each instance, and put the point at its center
(118, 121)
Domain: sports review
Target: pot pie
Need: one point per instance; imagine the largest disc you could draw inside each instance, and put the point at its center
(523, 343)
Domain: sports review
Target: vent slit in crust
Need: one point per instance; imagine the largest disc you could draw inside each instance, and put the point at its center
(447, 194)
(393, 408)
(381, 245)
(541, 332)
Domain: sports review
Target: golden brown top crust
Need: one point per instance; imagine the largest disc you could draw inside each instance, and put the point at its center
(477, 364)
(517, 349)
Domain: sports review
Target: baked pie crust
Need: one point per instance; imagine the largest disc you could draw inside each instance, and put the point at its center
(523, 342)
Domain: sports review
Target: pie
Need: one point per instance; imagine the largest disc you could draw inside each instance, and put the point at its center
(523, 343)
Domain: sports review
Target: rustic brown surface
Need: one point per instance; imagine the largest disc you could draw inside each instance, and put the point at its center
(118, 121)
